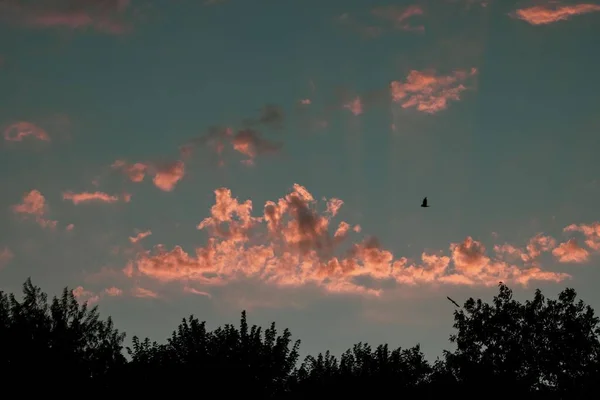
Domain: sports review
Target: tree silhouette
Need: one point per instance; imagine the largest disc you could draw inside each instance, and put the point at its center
(48, 343)
(228, 360)
(544, 347)
(541, 348)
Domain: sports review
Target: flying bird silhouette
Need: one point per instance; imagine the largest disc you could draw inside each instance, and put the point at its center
(453, 302)
(424, 204)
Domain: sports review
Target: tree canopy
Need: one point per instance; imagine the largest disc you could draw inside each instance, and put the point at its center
(538, 348)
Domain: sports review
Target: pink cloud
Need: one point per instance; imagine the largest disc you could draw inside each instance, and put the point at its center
(165, 175)
(144, 293)
(113, 291)
(89, 197)
(590, 231)
(570, 252)
(20, 130)
(428, 92)
(110, 17)
(85, 296)
(140, 236)
(34, 206)
(292, 244)
(355, 106)
(400, 15)
(6, 255)
(542, 15)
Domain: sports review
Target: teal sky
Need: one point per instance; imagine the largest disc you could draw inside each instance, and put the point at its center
(489, 108)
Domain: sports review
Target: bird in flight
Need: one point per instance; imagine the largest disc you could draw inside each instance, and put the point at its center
(424, 204)
(453, 302)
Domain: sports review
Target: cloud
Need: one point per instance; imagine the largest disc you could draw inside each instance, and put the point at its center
(542, 15)
(85, 296)
(94, 197)
(140, 236)
(251, 144)
(34, 206)
(355, 106)
(107, 16)
(165, 175)
(113, 291)
(590, 231)
(400, 16)
(18, 131)
(537, 245)
(248, 142)
(271, 115)
(144, 293)
(428, 92)
(292, 244)
(6, 255)
(570, 252)
(188, 289)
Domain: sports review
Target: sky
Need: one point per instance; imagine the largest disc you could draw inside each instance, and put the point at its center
(177, 157)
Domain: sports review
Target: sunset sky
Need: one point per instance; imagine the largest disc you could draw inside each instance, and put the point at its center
(173, 157)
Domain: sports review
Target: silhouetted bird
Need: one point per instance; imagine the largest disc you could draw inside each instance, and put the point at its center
(455, 303)
(424, 204)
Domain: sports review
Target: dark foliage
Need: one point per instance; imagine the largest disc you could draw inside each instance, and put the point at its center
(539, 349)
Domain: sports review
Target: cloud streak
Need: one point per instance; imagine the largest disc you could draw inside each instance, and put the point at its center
(93, 197)
(107, 16)
(18, 131)
(543, 15)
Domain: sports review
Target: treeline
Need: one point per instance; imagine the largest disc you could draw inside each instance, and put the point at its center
(542, 348)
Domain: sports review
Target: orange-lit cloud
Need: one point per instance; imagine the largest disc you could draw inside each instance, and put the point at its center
(355, 106)
(428, 92)
(143, 293)
(541, 15)
(113, 291)
(165, 175)
(590, 231)
(140, 236)
(292, 244)
(570, 252)
(108, 16)
(6, 255)
(537, 245)
(70, 227)
(399, 16)
(34, 206)
(248, 142)
(188, 289)
(20, 130)
(85, 296)
(90, 197)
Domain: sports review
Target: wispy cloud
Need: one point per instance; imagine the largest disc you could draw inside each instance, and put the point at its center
(140, 236)
(428, 92)
(92, 197)
(548, 14)
(18, 131)
(6, 255)
(107, 16)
